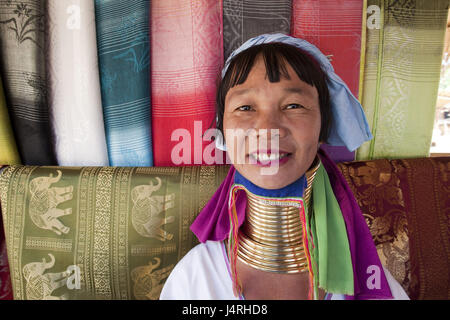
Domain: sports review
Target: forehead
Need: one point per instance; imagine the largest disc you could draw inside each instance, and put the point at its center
(258, 79)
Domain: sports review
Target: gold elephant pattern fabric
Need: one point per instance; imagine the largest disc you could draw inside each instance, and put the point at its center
(100, 232)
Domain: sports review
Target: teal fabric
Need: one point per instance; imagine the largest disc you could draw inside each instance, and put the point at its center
(124, 63)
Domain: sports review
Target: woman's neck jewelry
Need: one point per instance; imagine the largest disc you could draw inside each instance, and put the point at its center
(271, 238)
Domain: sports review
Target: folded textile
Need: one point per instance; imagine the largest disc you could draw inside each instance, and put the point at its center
(22, 58)
(5, 277)
(9, 153)
(100, 232)
(124, 61)
(401, 76)
(186, 55)
(74, 84)
(244, 19)
(335, 27)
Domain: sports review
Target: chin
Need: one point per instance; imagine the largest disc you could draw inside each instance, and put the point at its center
(276, 181)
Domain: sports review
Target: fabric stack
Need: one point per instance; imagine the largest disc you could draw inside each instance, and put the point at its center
(123, 83)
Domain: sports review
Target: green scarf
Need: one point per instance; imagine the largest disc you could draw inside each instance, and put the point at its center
(332, 263)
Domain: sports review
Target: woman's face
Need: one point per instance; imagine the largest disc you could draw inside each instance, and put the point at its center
(292, 107)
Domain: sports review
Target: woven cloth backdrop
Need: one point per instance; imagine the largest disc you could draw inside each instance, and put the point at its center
(135, 81)
(404, 48)
(109, 82)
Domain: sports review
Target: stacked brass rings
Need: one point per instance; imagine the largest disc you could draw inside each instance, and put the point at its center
(271, 238)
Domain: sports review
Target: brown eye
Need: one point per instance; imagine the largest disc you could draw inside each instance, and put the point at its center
(294, 106)
(244, 108)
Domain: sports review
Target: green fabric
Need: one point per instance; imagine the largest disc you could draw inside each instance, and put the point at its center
(332, 262)
(402, 66)
(8, 148)
(107, 225)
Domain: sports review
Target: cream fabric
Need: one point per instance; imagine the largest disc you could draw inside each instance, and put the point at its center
(75, 97)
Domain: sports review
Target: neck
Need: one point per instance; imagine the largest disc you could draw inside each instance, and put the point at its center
(271, 238)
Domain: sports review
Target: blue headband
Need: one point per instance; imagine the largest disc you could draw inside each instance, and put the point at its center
(349, 125)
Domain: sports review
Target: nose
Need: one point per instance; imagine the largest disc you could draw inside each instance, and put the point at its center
(269, 124)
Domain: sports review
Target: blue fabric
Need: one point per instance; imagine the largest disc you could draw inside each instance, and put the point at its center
(349, 126)
(124, 64)
(294, 189)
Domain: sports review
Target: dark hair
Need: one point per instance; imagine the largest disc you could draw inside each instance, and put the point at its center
(275, 56)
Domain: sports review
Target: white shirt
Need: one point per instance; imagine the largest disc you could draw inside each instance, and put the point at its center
(203, 274)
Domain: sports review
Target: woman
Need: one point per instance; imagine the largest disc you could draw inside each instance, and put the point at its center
(281, 233)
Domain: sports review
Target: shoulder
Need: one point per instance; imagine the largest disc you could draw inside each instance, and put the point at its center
(203, 253)
(201, 274)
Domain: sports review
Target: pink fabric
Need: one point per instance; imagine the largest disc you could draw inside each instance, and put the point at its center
(186, 58)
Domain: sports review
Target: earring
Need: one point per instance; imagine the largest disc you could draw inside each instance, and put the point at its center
(220, 143)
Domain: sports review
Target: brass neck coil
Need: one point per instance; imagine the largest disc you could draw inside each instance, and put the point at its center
(271, 238)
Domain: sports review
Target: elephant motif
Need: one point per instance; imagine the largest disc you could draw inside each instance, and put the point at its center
(40, 285)
(146, 209)
(147, 282)
(44, 201)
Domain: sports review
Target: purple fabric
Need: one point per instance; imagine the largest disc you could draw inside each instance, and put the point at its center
(213, 223)
(338, 153)
(362, 248)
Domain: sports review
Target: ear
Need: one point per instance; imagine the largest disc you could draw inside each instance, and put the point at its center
(220, 142)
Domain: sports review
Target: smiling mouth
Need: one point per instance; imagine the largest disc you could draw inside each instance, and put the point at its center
(269, 157)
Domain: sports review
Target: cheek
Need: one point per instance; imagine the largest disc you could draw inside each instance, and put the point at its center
(233, 140)
(307, 132)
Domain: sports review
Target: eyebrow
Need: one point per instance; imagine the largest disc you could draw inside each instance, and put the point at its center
(297, 90)
(240, 92)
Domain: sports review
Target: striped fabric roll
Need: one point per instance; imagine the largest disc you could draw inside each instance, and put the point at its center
(123, 52)
(22, 54)
(245, 19)
(401, 77)
(74, 84)
(8, 148)
(186, 60)
(335, 27)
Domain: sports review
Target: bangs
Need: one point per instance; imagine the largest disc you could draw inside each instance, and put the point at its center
(275, 57)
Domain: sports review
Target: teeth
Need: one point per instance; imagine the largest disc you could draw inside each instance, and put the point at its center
(263, 157)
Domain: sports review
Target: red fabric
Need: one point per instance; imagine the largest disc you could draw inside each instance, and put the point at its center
(426, 188)
(334, 26)
(186, 58)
